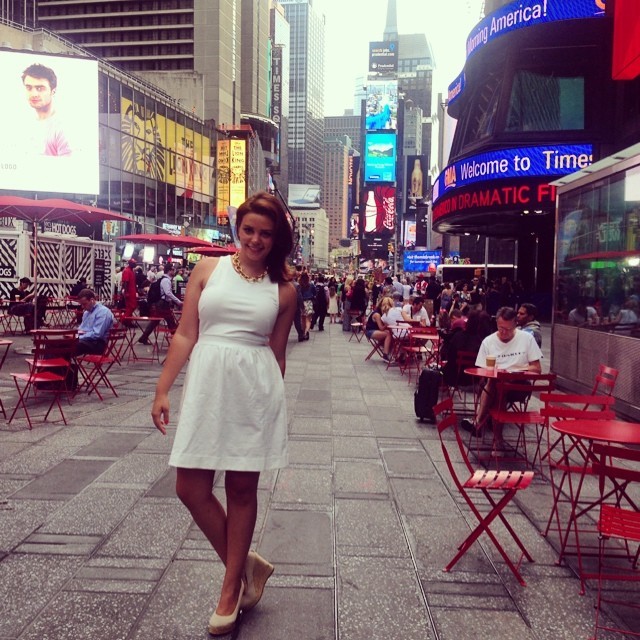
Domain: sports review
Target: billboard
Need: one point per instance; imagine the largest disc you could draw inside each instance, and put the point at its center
(383, 56)
(422, 261)
(237, 172)
(380, 157)
(222, 180)
(417, 170)
(49, 112)
(382, 105)
(378, 215)
(304, 196)
(159, 148)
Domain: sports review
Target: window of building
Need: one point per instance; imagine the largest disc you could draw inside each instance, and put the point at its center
(546, 101)
(598, 255)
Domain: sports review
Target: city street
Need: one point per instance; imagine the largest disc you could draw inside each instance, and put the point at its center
(94, 543)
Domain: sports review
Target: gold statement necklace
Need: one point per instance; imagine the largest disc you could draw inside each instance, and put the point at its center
(235, 260)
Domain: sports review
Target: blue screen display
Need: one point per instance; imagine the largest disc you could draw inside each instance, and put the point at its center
(521, 162)
(380, 157)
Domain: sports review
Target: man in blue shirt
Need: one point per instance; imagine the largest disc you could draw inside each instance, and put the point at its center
(96, 323)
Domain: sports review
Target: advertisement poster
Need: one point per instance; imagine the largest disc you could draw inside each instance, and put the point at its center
(157, 147)
(378, 212)
(222, 180)
(380, 157)
(383, 56)
(417, 169)
(382, 105)
(237, 172)
(50, 136)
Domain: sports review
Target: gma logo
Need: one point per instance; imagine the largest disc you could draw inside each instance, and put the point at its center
(450, 177)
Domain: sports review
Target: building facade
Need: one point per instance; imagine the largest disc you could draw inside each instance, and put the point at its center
(335, 191)
(306, 91)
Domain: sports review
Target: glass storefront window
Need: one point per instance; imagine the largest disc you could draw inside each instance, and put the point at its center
(598, 255)
(545, 101)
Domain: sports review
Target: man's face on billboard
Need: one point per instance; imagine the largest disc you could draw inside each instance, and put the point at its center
(39, 93)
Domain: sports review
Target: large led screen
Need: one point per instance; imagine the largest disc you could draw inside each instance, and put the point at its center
(378, 211)
(49, 113)
(380, 157)
(382, 105)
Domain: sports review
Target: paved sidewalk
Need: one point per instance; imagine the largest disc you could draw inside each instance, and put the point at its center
(94, 543)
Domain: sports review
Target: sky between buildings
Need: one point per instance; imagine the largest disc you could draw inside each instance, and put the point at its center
(352, 24)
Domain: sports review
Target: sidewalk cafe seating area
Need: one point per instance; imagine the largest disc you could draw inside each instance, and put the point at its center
(573, 448)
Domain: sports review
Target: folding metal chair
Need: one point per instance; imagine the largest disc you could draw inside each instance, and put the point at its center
(485, 482)
(357, 327)
(48, 373)
(101, 364)
(464, 360)
(619, 521)
(376, 347)
(565, 460)
(605, 378)
(513, 393)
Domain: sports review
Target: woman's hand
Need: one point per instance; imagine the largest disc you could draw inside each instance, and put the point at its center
(160, 412)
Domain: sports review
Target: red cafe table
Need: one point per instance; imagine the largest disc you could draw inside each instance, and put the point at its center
(581, 435)
(133, 323)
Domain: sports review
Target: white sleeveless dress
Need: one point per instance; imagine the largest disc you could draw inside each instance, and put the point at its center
(233, 413)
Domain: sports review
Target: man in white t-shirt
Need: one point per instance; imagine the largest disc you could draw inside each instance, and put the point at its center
(416, 311)
(513, 350)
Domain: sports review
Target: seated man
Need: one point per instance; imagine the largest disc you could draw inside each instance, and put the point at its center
(96, 323)
(527, 314)
(416, 311)
(20, 304)
(512, 350)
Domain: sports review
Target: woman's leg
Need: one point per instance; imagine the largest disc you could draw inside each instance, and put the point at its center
(230, 534)
(241, 488)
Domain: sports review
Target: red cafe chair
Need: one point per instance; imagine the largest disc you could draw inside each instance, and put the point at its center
(619, 522)
(43, 378)
(485, 482)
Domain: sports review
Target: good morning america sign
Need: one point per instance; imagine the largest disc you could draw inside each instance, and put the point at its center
(521, 14)
(553, 160)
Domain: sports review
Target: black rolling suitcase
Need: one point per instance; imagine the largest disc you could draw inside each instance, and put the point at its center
(426, 395)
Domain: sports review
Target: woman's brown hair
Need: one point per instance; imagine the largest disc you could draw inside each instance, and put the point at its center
(265, 204)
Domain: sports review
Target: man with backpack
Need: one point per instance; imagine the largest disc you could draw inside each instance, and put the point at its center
(320, 304)
(160, 298)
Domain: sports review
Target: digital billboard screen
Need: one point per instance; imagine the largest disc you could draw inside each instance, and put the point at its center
(49, 111)
(380, 157)
(382, 105)
(383, 56)
(378, 211)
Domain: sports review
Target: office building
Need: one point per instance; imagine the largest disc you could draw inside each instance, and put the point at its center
(306, 91)
(346, 125)
(415, 70)
(335, 191)
(280, 36)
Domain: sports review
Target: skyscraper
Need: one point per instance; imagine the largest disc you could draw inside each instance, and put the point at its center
(415, 70)
(335, 194)
(306, 92)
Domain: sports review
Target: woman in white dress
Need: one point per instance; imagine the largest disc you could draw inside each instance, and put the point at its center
(235, 324)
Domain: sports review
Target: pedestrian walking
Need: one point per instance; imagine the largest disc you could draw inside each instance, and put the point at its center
(233, 414)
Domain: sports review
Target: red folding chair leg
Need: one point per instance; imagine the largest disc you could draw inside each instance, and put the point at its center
(483, 527)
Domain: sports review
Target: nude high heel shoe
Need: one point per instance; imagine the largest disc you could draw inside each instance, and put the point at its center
(257, 572)
(220, 625)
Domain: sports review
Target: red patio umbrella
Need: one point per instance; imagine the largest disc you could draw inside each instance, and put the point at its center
(51, 210)
(214, 250)
(165, 238)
